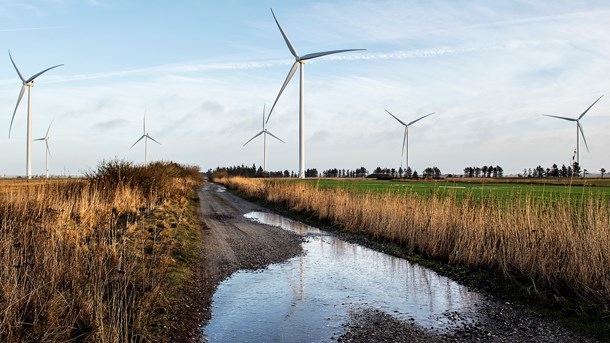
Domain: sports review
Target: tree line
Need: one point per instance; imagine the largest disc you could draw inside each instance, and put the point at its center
(254, 171)
(555, 171)
(485, 171)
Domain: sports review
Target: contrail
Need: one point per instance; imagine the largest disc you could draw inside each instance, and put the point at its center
(445, 51)
(248, 65)
(33, 28)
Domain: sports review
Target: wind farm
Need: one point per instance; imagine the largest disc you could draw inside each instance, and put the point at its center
(492, 226)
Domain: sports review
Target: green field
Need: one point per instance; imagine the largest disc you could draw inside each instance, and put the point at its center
(498, 189)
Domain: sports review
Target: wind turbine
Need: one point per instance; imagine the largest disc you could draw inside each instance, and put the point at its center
(300, 61)
(48, 152)
(145, 137)
(264, 132)
(405, 140)
(29, 83)
(578, 128)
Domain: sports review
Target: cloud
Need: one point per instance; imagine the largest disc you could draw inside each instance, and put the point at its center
(109, 124)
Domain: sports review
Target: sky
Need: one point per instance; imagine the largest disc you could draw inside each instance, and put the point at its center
(203, 70)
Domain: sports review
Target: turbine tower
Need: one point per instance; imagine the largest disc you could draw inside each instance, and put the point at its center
(145, 137)
(29, 83)
(264, 132)
(48, 152)
(578, 128)
(300, 62)
(405, 140)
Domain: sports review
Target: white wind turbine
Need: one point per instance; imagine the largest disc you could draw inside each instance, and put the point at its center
(29, 83)
(264, 132)
(145, 137)
(405, 140)
(48, 152)
(300, 61)
(578, 128)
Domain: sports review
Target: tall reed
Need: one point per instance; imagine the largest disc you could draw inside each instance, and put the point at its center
(552, 241)
(75, 262)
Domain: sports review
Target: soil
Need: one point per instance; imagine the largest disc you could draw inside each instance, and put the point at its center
(231, 242)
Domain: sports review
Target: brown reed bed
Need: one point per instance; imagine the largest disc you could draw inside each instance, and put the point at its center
(551, 242)
(86, 260)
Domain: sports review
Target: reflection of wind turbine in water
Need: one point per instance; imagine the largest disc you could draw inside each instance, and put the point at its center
(405, 140)
(48, 152)
(29, 83)
(300, 61)
(578, 128)
(146, 137)
(298, 292)
(264, 132)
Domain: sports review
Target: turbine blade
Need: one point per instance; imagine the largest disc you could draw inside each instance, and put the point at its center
(400, 121)
(264, 116)
(153, 140)
(292, 50)
(48, 150)
(324, 53)
(47, 135)
(583, 135)
(293, 69)
(42, 72)
(258, 134)
(564, 118)
(16, 106)
(39, 139)
(274, 136)
(139, 139)
(418, 119)
(14, 65)
(144, 127)
(587, 110)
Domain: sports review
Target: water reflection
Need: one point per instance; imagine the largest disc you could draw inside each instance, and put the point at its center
(307, 298)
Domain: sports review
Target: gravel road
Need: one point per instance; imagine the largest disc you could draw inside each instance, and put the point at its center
(232, 242)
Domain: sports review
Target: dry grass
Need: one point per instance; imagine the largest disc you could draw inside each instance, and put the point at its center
(550, 242)
(77, 261)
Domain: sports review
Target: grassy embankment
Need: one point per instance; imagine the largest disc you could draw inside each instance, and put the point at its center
(546, 242)
(101, 259)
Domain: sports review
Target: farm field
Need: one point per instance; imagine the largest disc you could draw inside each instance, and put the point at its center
(477, 188)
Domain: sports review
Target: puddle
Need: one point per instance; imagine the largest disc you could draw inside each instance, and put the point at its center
(308, 298)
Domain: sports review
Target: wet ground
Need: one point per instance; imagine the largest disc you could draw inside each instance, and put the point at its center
(342, 291)
(308, 298)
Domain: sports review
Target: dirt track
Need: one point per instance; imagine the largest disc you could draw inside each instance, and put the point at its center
(232, 242)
